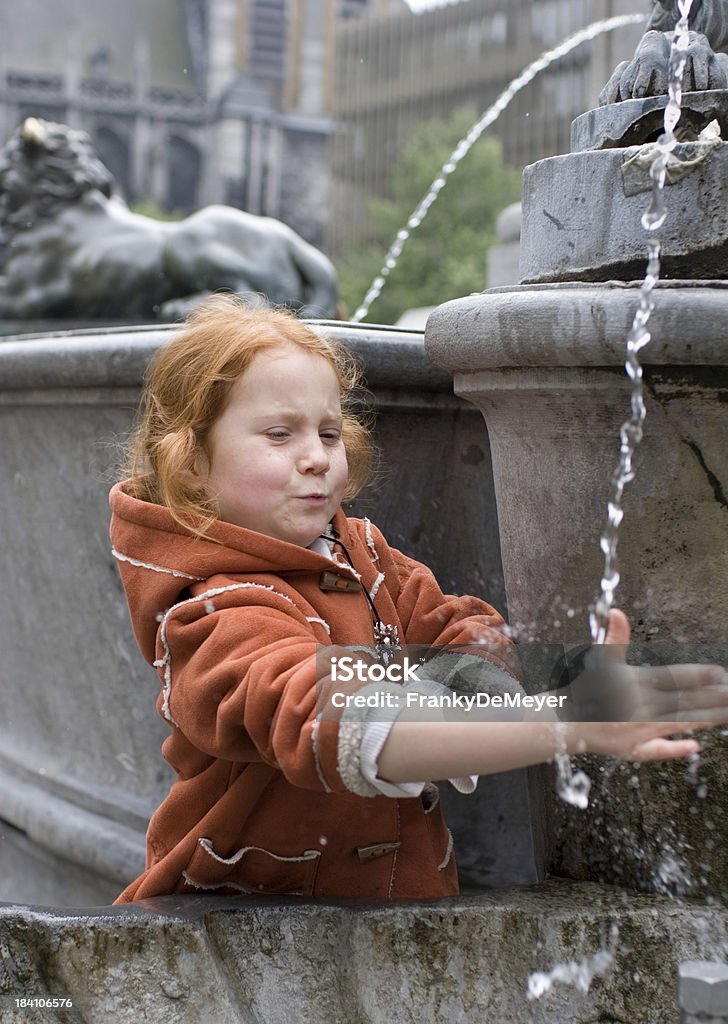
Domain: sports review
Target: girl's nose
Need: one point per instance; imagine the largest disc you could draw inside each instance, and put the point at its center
(315, 456)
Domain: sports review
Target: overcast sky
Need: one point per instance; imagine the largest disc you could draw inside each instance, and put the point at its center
(424, 5)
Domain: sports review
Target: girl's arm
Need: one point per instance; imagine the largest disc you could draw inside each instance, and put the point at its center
(440, 750)
(417, 749)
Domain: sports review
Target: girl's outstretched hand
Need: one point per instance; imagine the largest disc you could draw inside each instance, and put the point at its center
(660, 701)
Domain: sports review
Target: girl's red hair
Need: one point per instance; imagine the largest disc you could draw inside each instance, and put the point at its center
(186, 389)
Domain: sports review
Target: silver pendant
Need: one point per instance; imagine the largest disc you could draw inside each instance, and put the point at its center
(386, 641)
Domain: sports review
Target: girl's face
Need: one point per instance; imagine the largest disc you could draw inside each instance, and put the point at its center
(277, 461)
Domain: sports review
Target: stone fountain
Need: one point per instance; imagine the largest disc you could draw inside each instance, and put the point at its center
(543, 363)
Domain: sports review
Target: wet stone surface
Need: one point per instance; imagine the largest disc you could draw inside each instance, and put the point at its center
(634, 122)
(224, 960)
(580, 223)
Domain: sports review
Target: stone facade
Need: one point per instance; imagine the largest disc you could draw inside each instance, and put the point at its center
(187, 103)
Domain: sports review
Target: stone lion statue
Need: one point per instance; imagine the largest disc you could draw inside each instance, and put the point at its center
(707, 59)
(71, 247)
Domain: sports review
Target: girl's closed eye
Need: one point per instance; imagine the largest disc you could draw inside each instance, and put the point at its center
(330, 436)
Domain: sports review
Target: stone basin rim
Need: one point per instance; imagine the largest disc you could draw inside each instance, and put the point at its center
(554, 897)
(117, 356)
(556, 325)
(466, 958)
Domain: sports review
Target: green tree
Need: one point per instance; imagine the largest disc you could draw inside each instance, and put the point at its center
(148, 208)
(445, 257)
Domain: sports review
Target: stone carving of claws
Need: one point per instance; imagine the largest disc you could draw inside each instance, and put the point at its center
(647, 74)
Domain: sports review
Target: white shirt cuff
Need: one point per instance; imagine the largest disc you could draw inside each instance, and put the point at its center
(374, 735)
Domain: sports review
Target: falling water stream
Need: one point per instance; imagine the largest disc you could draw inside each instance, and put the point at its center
(490, 116)
(573, 786)
(631, 431)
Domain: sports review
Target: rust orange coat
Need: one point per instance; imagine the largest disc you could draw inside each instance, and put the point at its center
(267, 799)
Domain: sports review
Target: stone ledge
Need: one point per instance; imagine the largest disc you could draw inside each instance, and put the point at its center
(118, 357)
(222, 960)
(632, 122)
(576, 325)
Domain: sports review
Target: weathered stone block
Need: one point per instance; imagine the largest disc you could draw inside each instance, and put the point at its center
(219, 960)
(579, 223)
(543, 363)
(634, 122)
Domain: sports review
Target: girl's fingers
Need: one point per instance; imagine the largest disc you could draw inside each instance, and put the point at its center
(619, 692)
(639, 741)
(619, 631)
(696, 692)
(654, 706)
(688, 677)
(703, 717)
(661, 749)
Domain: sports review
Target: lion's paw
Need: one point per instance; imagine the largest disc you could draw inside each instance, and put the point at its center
(648, 73)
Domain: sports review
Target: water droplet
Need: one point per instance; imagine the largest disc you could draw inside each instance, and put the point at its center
(572, 787)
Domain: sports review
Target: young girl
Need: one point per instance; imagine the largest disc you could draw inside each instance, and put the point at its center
(238, 563)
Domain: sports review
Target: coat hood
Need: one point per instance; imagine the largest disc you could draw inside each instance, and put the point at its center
(158, 559)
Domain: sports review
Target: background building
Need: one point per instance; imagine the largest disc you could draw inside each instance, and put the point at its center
(188, 102)
(393, 71)
(192, 102)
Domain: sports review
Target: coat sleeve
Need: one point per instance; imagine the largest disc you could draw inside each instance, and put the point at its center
(239, 682)
(430, 617)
